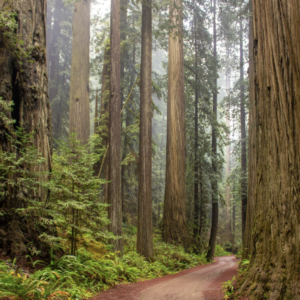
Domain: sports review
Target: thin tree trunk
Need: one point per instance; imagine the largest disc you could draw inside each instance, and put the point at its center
(104, 118)
(174, 222)
(214, 184)
(274, 266)
(144, 233)
(79, 117)
(114, 191)
(196, 162)
(123, 23)
(243, 135)
(55, 51)
(96, 131)
(247, 241)
(233, 226)
(227, 170)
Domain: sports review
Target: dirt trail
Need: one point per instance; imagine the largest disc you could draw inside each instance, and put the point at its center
(201, 283)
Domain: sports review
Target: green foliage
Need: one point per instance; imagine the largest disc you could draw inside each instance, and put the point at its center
(81, 276)
(8, 36)
(75, 195)
(228, 288)
(220, 251)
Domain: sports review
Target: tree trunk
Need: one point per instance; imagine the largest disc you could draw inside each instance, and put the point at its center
(123, 23)
(274, 269)
(79, 118)
(114, 191)
(227, 170)
(55, 51)
(104, 119)
(243, 135)
(26, 85)
(214, 184)
(174, 220)
(247, 240)
(196, 162)
(144, 234)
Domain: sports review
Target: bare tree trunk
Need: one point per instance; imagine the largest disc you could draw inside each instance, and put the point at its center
(174, 220)
(114, 191)
(55, 51)
(196, 162)
(144, 234)
(227, 170)
(25, 84)
(123, 23)
(274, 269)
(247, 241)
(104, 119)
(214, 184)
(79, 117)
(243, 135)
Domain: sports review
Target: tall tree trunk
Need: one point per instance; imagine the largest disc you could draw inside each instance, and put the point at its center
(214, 184)
(247, 241)
(243, 135)
(123, 23)
(274, 269)
(97, 165)
(114, 191)
(49, 16)
(104, 119)
(227, 169)
(79, 117)
(124, 58)
(233, 226)
(174, 220)
(55, 51)
(196, 162)
(25, 84)
(144, 233)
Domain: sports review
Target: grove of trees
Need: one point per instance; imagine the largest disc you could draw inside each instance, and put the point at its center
(177, 119)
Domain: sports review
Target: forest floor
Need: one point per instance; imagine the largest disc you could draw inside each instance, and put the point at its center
(201, 283)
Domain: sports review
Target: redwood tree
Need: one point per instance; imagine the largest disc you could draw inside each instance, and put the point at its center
(214, 183)
(274, 269)
(144, 234)
(174, 219)
(114, 190)
(24, 81)
(79, 117)
(247, 241)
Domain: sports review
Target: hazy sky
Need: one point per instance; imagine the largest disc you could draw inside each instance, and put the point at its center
(102, 5)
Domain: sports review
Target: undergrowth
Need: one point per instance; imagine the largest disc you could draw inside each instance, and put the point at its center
(221, 252)
(81, 276)
(230, 287)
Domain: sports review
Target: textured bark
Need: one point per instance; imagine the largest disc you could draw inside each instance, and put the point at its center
(55, 51)
(247, 241)
(104, 119)
(243, 134)
(274, 269)
(144, 233)
(114, 191)
(124, 57)
(123, 36)
(27, 86)
(96, 131)
(227, 172)
(196, 162)
(214, 184)
(79, 117)
(174, 219)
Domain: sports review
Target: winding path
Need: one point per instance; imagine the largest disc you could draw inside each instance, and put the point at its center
(201, 283)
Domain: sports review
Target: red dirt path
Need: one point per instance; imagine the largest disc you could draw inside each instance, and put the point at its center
(201, 283)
